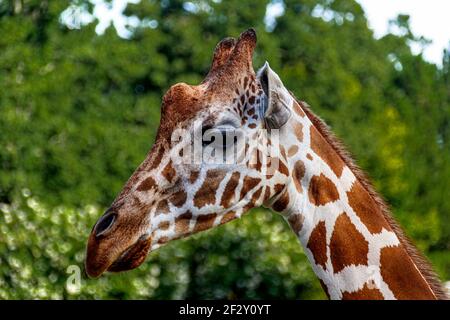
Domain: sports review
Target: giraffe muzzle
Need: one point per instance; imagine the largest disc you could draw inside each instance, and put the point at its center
(132, 257)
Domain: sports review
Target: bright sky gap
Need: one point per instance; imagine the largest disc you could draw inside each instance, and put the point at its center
(427, 18)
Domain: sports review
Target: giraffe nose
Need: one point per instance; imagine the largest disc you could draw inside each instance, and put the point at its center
(105, 223)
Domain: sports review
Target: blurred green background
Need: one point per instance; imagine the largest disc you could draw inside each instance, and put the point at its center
(79, 111)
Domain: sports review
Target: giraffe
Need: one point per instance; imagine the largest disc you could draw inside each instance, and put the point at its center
(288, 161)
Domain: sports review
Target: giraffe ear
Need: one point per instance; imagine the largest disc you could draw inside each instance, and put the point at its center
(222, 53)
(277, 111)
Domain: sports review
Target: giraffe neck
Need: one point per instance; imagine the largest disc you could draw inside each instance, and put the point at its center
(354, 249)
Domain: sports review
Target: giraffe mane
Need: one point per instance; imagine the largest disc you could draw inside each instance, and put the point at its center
(420, 261)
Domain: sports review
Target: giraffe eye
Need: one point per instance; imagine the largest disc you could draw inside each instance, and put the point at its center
(220, 137)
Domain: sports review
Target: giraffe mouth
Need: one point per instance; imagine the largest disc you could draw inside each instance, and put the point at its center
(132, 257)
(97, 261)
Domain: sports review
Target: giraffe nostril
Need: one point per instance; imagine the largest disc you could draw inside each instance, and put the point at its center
(105, 223)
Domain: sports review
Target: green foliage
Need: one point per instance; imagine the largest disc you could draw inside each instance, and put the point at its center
(253, 257)
(79, 111)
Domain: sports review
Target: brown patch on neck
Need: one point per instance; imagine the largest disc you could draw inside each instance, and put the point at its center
(402, 277)
(297, 175)
(256, 195)
(283, 168)
(248, 184)
(193, 176)
(162, 207)
(365, 293)
(283, 152)
(157, 154)
(347, 246)
(205, 221)
(296, 222)
(326, 152)
(322, 190)
(278, 188)
(417, 258)
(292, 151)
(298, 131)
(275, 164)
(147, 184)
(169, 172)
(366, 209)
(317, 243)
(178, 198)
(255, 161)
(207, 192)
(164, 225)
(231, 215)
(228, 193)
(182, 223)
(282, 202)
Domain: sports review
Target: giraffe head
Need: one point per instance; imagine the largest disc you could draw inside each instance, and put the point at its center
(215, 157)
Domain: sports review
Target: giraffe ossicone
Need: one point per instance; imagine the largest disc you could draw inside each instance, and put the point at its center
(240, 140)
